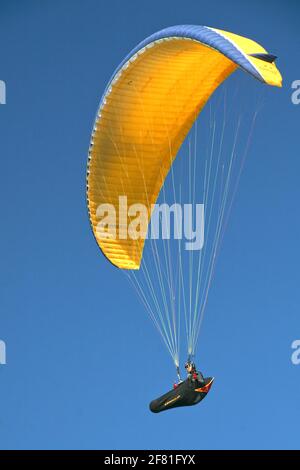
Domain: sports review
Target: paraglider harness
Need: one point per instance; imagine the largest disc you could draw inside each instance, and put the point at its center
(188, 392)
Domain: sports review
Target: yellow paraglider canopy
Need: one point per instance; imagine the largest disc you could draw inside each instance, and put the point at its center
(148, 108)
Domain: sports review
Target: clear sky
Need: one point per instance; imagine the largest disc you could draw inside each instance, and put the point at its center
(67, 316)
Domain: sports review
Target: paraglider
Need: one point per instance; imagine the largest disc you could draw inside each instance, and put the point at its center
(148, 107)
(186, 394)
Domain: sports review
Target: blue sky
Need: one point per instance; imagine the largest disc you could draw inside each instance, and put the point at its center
(67, 315)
